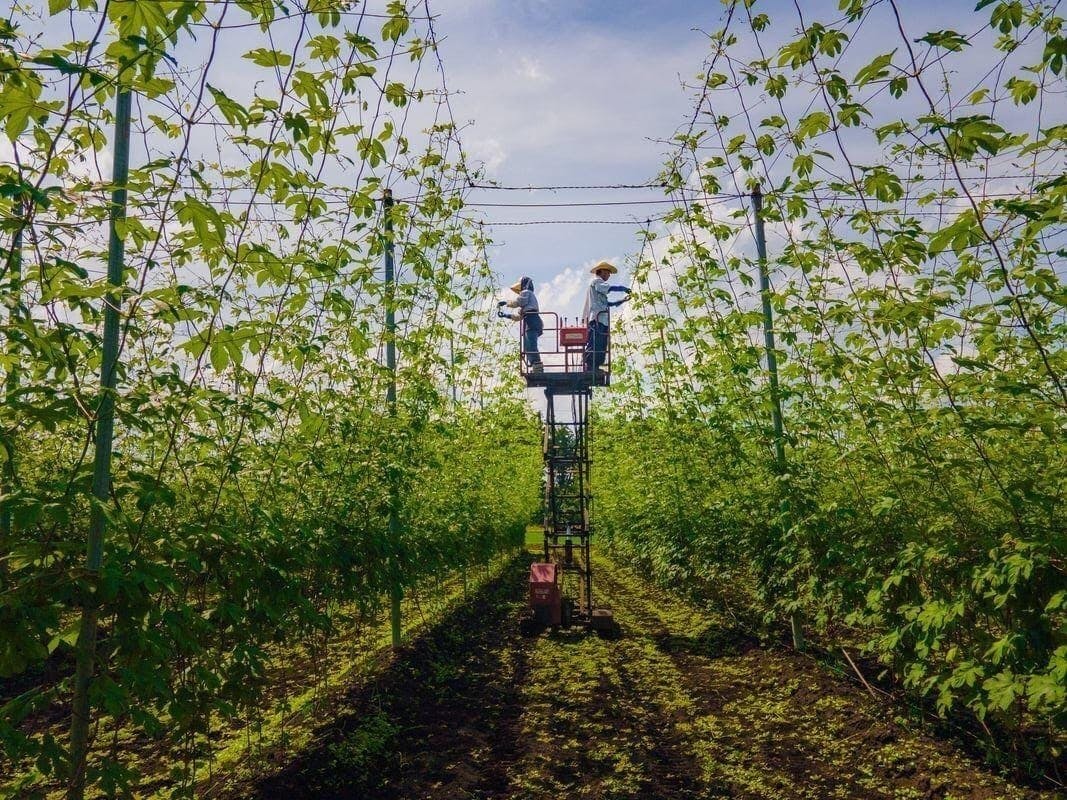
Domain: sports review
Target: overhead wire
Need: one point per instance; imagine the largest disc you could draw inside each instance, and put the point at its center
(859, 197)
(531, 222)
(561, 187)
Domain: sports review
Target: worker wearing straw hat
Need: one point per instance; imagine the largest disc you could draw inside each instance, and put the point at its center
(529, 316)
(597, 315)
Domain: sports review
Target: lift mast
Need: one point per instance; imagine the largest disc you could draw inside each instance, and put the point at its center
(561, 584)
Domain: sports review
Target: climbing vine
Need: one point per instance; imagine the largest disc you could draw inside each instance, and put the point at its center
(914, 199)
(254, 456)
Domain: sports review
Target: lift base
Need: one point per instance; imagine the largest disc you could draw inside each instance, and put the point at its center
(601, 622)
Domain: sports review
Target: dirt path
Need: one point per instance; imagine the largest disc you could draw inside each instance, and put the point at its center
(681, 707)
(766, 723)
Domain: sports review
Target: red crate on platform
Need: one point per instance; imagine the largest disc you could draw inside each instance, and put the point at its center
(573, 336)
(544, 594)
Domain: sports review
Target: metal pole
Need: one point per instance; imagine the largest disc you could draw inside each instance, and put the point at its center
(11, 383)
(768, 331)
(452, 362)
(396, 592)
(772, 370)
(105, 424)
(455, 403)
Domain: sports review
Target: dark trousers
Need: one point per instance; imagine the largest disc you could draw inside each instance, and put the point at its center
(596, 347)
(530, 335)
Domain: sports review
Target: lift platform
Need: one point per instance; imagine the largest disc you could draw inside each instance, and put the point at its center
(565, 564)
(557, 381)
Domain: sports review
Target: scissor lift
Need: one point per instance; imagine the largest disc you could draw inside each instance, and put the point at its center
(561, 585)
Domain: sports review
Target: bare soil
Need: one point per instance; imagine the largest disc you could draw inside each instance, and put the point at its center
(685, 705)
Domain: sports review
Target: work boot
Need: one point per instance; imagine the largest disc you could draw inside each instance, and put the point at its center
(537, 369)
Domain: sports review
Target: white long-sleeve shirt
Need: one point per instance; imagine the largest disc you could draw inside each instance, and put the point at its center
(596, 302)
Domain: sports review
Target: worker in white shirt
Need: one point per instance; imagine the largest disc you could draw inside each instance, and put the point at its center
(596, 314)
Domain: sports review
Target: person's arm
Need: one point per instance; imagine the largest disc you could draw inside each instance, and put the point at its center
(522, 300)
(619, 289)
(516, 303)
(503, 314)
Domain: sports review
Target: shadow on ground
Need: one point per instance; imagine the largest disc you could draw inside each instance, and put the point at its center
(441, 721)
(712, 642)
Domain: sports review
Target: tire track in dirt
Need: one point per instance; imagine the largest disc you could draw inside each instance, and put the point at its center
(767, 723)
(440, 722)
(601, 721)
(682, 707)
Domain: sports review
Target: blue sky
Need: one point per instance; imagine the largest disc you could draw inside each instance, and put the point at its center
(569, 93)
(548, 92)
(585, 92)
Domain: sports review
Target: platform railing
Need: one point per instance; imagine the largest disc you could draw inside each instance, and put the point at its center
(561, 350)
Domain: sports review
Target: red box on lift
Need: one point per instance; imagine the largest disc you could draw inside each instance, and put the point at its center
(544, 594)
(573, 336)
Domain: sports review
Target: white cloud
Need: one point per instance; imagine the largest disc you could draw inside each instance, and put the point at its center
(586, 99)
(488, 152)
(563, 293)
(530, 69)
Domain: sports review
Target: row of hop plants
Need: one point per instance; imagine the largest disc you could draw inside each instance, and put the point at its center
(257, 461)
(914, 209)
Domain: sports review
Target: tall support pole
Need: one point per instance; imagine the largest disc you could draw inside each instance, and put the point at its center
(11, 382)
(768, 332)
(452, 362)
(396, 591)
(105, 426)
(455, 405)
(772, 370)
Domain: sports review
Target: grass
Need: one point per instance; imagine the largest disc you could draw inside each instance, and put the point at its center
(685, 705)
(293, 707)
